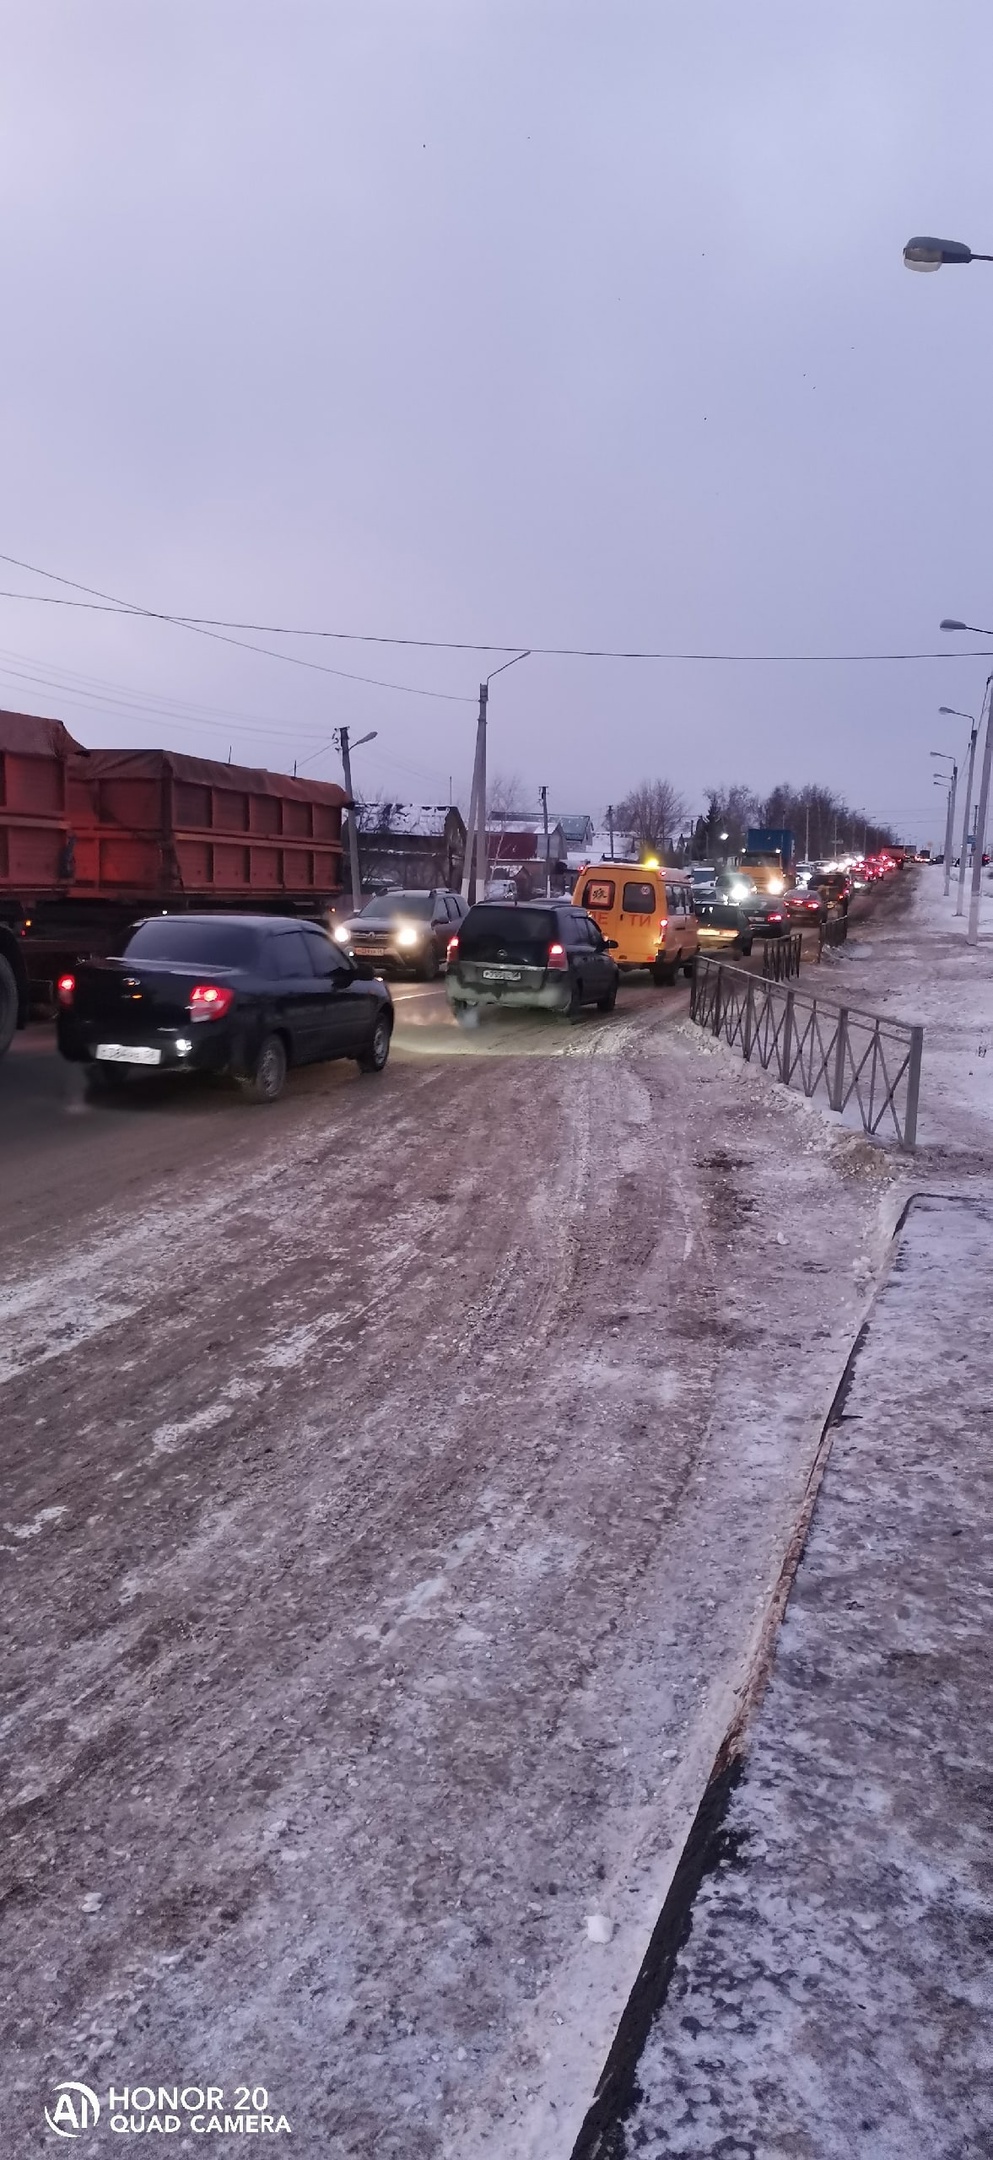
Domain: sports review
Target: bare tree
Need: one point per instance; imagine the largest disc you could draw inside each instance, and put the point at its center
(651, 814)
(506, 796)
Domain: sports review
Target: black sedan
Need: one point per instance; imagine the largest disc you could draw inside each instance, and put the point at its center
(767, 916)
(244, 995)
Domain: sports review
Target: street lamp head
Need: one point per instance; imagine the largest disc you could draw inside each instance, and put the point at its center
(925, 253)
(948, 622)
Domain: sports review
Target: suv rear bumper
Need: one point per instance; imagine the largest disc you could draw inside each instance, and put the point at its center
(538, 997)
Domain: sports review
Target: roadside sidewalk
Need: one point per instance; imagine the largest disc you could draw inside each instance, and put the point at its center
(834, 1997)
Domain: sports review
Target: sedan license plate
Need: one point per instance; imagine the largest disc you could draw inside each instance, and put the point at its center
(501, 974)
(127, 1054)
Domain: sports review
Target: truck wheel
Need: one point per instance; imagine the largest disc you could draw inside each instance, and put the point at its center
(265, 1082)
(9, 1004)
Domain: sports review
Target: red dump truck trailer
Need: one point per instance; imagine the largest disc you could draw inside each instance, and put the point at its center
(90, 839)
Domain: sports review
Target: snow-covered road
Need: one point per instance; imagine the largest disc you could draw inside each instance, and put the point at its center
(390, 1501)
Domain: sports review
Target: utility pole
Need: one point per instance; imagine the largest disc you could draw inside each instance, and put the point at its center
(543, 792)
(475, 844)
(806, 830)
(610, 828)
(960, 899)
(950, 829)
(345, 746)
(470, 866)
(979, 830)
(353, 836)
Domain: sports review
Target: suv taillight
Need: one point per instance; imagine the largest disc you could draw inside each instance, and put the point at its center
(66, 989)
(210, 1001)
(453, 949)
(557, 956)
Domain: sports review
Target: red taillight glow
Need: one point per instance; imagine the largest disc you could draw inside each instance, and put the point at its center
(66, 987)
(663, 925)
(210, 1001)
(453, 949)
(556, 957)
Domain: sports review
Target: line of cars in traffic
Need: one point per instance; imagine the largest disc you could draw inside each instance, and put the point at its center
(247, 996)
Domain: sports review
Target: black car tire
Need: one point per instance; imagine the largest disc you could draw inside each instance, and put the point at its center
(664, 971)
(608, 1001)
(574, 1008)
(9, 1003)
(373, 1058)
(746, 946)
(429, 971)
(689, 968)
(265, 1082)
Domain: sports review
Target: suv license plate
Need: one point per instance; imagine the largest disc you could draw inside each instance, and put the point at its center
(127, 1054)
(501, 974)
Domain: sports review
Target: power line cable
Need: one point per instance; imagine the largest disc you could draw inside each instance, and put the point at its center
(106, 604)
(214, 625)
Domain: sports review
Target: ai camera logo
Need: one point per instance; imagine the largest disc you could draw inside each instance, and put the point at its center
(76, 2109)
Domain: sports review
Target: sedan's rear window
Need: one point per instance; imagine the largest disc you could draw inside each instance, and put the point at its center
(522, 933)
(194, 944)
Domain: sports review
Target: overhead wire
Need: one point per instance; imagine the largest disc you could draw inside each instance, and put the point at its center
(217, 626)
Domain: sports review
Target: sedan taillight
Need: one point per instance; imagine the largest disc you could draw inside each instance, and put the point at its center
(66, 988)
(210, 1001)
(453, 949)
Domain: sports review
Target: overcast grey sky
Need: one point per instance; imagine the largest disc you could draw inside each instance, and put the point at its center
(573, 323)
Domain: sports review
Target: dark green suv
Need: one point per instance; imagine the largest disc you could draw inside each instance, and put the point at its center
(547, 955)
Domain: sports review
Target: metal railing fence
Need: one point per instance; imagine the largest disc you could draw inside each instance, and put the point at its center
(781, 957)
(868, 1067)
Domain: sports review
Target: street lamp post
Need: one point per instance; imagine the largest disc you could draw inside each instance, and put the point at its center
(346, 747)
(950, 819)
(953, 712)
(950, 622)
(475, 888)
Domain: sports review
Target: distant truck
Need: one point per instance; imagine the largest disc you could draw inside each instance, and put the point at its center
(770, 856)
(92, 839)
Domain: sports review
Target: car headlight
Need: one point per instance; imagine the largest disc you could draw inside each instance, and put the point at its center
(408, 934)
(777, 885)
(342, 934)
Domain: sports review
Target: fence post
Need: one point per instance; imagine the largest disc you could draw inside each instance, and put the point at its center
(913, 1087)
(836, 1092)
(694, 979)
(786, 1039)
(718, 1000)
(749, 1028)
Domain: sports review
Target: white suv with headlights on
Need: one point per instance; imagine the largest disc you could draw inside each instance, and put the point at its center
(404, 933)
